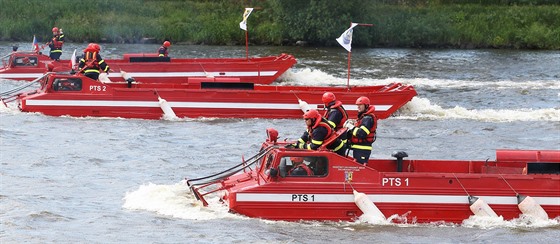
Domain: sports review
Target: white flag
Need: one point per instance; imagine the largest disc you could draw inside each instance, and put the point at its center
(345, 40)
(243, 24)
(73, 60)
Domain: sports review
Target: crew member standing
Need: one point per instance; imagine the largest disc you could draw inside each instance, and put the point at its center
(56, 43)
(335, 114)
(317, 132)
(91, 63)
(163, 49)
(362, 133)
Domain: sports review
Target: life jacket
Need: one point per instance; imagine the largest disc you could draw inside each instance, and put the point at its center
(337, 106)
(56, 42)
(335, 145)
(162, 51)
(91, 60)
(320, 124)
(370, 138)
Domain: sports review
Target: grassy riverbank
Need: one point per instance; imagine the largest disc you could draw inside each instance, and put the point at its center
(414, 23)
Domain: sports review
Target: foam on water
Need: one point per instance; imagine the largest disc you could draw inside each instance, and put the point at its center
(176, 201)
(423, 109)
(373, 220)
(476, 222)
(524, 221)
(9, 108)
(311, 77)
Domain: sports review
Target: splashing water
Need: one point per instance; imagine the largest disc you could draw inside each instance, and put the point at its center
(175, 201)
(423, 109)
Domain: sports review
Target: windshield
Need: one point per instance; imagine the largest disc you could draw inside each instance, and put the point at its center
(297, 166)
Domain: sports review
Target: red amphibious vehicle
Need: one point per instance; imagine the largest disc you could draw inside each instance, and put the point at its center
(258, 70)
(401, 190)
(79, 96)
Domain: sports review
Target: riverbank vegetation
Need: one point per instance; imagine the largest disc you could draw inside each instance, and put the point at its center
(516, 24)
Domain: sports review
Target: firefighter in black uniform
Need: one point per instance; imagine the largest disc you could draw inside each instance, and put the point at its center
(317, 132)
(335, 114)
(91, 63)
(163, 49)
(56, 44)
(361, 134)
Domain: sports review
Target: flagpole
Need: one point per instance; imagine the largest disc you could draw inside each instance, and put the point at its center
(348, 81)
(350, 56)
(247, 45)
(243, 26)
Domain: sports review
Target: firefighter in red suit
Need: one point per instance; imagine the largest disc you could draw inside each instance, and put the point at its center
(317, 132)
(163, 49)
(91, 63)
(56, 44)
(299, 167)
(361, 134)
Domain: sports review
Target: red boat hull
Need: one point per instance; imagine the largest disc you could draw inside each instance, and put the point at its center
(258, 70)
(433, 199)
(423, 191)
(203, 97)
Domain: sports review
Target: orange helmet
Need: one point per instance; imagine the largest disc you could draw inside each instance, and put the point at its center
(314, 115)
(296, 159)
(363, 100)
(55, 29)
(166, 43)
(328, 97)
(311, 114)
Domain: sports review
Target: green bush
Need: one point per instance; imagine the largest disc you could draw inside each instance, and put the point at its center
(398, 23)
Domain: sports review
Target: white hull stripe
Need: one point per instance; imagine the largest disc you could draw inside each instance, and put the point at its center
(159, 74)
(20, 75)
(426, 199)
(198, 74)
(155, 104)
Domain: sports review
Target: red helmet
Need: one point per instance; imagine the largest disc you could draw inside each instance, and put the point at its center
(55, 29)
(363, 100)
(92, 47)
(166, 43)
(296, 159)
(328, 97)
(313, 114)
(89, 48)
(96, 47)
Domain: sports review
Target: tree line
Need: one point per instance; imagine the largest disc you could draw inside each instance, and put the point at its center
(519, 24)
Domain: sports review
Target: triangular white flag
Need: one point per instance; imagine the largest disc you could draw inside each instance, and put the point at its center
(345, 40)
(243, 23)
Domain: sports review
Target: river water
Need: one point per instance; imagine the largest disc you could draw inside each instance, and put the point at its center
(101, 180)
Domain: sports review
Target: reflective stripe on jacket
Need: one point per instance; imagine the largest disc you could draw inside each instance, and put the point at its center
(363, 134)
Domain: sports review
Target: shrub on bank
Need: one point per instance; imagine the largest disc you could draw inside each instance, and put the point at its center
(402, 23)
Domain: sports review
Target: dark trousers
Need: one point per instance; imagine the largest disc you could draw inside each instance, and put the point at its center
(361, 156)
(93, 75)
(55, 55)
